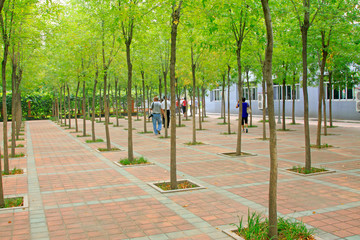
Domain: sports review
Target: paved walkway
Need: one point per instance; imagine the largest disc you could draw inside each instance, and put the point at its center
(76, 192)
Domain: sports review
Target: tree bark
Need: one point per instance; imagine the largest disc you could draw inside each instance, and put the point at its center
(2, 200)
(60, 106)
(165, 111)
(273, 230)
(143, 99)
(198, 91)
(175, 21)
(248, 86)
(100, 104)
(284, 99)
(106, 106)
(76, 107)
(178, 100)
(13, 97)
(116, 102)
(193, 105)
(203, 103)
(293, 99)
(160, 86)
(64, 103)
(136, 103)
(93, 137)
(228, 98)
(69, 104)
(264, 106)
(330, 98)
(129, 103)
(223, 112)
(84, 108)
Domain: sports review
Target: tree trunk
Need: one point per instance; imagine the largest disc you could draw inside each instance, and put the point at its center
(325, 121)
(330, 98)
(129, 103)
(273, 230)
(223, 112)
(304, 35)
(193, 105)
(240, 90)
(198, 91)
(100, 104)
(13, 97)
(2, 200)
(106, 106)
(148, 101)
(76, 107)
(136, 102)
(116, 102)
(60, 106)
(228, 98)
(187, 105)
(175, 21)
(69, 104)
(18, 114)
(284, 100)
(178, 100)
(84, 109)
(93, 137)
(64, 103)
(143, 99)
(203, 103)
(160, 87)
(165, 111)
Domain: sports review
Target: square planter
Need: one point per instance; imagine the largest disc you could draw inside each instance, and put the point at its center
(14, 175)
(25, 202)
(309, 174)
(197, 186)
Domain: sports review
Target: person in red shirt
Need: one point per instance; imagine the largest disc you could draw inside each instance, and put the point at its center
(184, 105)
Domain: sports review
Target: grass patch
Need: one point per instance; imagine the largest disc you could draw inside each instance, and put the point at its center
(14, 202)
(164, 137)
(97, 140)
(118, 125)
(14, 171)
(302, 170)
(252, 126)
(21, 134)
(222, 123)
(193, 143)
(265, 121)
(331, 126)
(128, 129)
(262, 139)
(17, 146)
(108, 150)
(97, 121)
(181, 125)
(138, 120)
(87, 135)
(68, 128)
(187, 120)
(203, 129)
(257, 228)
(321, 146)
(220, 118)
(139, 160)
(109, 123)
(20, 139)
(226, 133)
(145, 132)
(15, 156)
(294, 123)
(166, 186)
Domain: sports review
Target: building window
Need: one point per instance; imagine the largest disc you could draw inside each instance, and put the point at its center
(278, 91)
(215, 95)
(339, 93)
(253, 92)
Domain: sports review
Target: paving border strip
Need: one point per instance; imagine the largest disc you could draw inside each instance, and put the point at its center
(38, 224)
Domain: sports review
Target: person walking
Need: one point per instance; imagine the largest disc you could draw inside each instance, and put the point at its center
(244, 114)
(156, 109)
(184, 105)
(167, 112)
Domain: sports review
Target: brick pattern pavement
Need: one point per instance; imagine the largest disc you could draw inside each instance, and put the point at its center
(76, 192)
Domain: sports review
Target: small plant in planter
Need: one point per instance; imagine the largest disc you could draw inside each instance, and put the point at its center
(322, 146)
(162, 137)
(302, 170)
(20, 139)
(226, 133)
(128, 129)
(222, 123)
(136, 161)
(193, 143)
(87, 135)
(107, 150)
(252, 126)
(118, 125)
(203, 129)
(18, 146)
(258, 227)
(14, 171)
(97, 140)
(181, 125)
(145, 132)
(14, 202)
(16, 155)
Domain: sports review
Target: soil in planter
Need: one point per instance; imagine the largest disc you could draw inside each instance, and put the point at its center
(97, 140)
(193, 143)
(233, 154)
(107, 150)
(166, 186)
(14, 202)
(302, 170)
(321, 146)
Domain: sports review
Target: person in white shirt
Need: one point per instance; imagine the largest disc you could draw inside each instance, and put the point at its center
(167, 112)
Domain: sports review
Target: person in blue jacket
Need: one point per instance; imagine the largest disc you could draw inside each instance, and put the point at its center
(244, 115)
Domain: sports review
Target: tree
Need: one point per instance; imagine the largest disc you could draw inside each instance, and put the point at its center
(273, 230)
